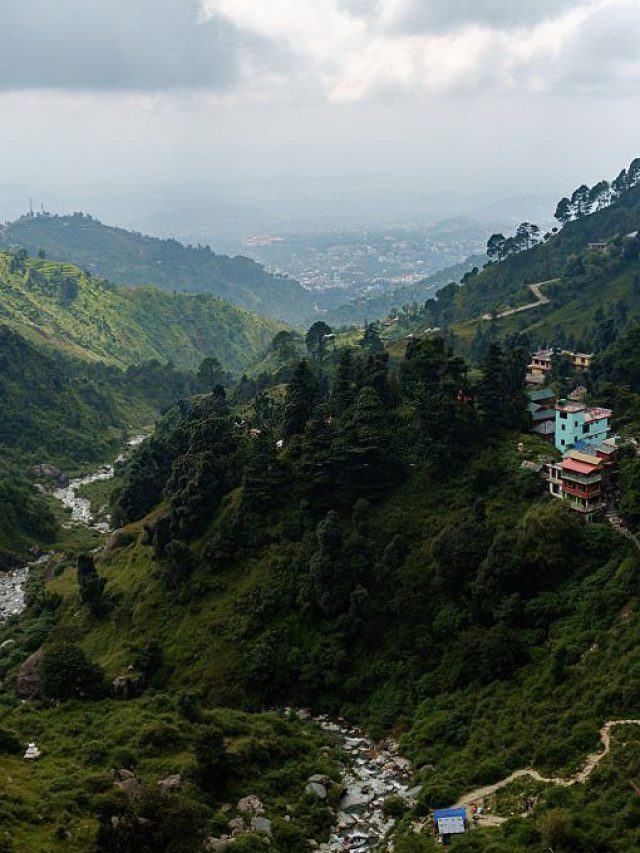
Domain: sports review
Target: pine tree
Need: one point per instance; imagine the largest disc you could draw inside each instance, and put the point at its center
(302, 395)
(343, 392)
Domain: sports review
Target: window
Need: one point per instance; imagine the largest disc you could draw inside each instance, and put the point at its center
(585, 429)
(563, 415)
(563, 427)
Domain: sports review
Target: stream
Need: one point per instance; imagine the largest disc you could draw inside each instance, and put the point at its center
(372, 773)
(13, 583)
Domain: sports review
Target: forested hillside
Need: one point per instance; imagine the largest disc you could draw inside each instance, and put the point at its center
(584, 284)
(130, 258)
(67, 413)
(390, 561)
(57, 305)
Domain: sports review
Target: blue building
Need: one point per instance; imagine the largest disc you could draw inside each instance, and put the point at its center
(578, 425)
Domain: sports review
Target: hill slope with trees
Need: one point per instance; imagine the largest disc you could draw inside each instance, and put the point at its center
(390, 561)
(130, 258)
(55, 304)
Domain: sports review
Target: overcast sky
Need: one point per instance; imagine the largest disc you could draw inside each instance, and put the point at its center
(139, 108)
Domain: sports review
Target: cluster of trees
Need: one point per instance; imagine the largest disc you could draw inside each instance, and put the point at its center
(585, 200)
(500, 247)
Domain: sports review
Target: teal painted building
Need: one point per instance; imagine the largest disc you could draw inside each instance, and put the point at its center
(578, 424)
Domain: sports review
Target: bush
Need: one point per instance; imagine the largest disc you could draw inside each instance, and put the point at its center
(9, 741)
(66, 673)
(394, 807)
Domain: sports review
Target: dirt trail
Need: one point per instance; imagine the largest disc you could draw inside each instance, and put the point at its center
(541, 299)
(476, 796)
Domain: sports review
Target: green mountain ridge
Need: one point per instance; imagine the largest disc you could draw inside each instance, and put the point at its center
(132, 259)
(589, 283)
(56, 305)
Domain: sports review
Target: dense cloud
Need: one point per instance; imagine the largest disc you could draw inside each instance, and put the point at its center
(138, 45)
(443, 15)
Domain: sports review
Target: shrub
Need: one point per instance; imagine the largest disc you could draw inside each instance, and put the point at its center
(67, 673)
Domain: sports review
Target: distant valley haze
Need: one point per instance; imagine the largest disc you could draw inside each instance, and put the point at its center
(217, 120)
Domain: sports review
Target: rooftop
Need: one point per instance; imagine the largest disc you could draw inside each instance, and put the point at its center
(578, 467)
(539, 394)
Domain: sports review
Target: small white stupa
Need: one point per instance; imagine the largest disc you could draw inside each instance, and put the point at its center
(32, 752)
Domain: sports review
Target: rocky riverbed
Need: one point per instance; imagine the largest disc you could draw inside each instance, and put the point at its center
(81, 507)
(13, 583)
(373, 772)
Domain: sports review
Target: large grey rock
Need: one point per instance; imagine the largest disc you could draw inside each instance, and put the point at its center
(28, 678)
(355, 800)
(316, 788)
(261, 824)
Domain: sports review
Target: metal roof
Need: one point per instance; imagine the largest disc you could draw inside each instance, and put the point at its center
(438, 813)
(578, 467)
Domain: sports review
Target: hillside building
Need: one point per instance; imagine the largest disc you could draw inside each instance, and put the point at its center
(578, 424)
(539, 367)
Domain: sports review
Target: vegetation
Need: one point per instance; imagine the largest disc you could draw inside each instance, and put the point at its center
(130, 258)
(353, 533)
(58, 306)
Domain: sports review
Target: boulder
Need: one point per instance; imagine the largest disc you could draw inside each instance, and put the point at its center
(170, 783)
(213, 845)
(127, 782)
(28, 679)
(261, 824)
(133, 788)
(251, 804)
(355, 800)
(319, 778)
(236, 825)
(317, 789)
(127, 686)
(50, 472)
(119, 539)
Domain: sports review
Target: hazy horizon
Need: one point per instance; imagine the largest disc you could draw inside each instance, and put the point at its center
(228, 118)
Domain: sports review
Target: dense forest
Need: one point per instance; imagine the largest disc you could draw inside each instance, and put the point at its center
(130, 258)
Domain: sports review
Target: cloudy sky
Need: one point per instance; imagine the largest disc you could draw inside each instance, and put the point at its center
(144, 108)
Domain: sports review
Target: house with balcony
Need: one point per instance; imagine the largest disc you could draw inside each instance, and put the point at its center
(539, 367)
(578, 424)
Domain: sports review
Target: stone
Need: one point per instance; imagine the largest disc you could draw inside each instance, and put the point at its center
(170, 783)
(50, 472)
(7, 643)
(39, 489)
(261, 824)
(28, 678)
(319, 778)
(119, 539)
(355, 800)
(133, 788)
(317, 789)
(251, 804)
(126, 686)
(216, 844)
(32, 752)
(236, 825)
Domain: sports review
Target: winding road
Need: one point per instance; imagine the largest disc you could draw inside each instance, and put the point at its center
(476, 796)
(541, 299)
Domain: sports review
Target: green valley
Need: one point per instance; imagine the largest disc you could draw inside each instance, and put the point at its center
(130, 258)
(57, 305)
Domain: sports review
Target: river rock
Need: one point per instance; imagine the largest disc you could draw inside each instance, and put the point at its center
(320, 779)
(28, 678)
(355, 800)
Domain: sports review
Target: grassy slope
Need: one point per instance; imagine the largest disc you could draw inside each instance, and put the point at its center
(133, 259)
(124, 326)
(504, 285)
